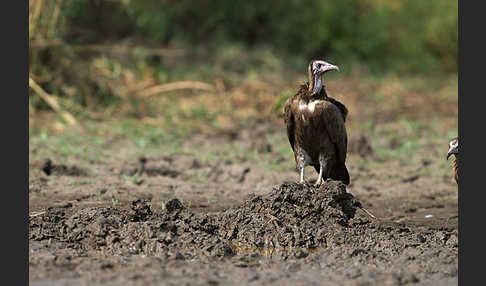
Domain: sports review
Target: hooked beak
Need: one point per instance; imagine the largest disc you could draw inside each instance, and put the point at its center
(451, 151)
(330, 67)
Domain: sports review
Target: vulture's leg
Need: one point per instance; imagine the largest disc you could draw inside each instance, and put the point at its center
(303, 161)
(302, 174)
(319, 178)
(322, 167)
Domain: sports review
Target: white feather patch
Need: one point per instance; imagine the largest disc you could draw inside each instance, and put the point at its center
(311, 106)
(302, 106)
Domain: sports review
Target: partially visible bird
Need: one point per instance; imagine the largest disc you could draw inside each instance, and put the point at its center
(316, 129)
(454, 150)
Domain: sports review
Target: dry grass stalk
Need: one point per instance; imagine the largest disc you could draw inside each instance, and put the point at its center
(176, 86)
(368, 212)
(33, 17)
(52, 102)
(37, 214)
(54, 18)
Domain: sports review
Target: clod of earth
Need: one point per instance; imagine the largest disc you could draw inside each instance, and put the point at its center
(49, 168)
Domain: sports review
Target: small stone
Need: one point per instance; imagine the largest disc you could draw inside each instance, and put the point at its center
(180, 256)
(301, 254)
(358, 251)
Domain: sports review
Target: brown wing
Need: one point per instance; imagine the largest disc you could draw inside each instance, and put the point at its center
(334, 123)
(341, 107)
(289, 121)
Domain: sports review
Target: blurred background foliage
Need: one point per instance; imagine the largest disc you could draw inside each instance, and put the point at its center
(401, 35)
(111, 56)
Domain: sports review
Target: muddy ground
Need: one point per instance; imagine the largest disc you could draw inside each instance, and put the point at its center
(138, 218)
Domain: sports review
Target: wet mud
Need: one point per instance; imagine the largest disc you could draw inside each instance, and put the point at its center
(297, 234)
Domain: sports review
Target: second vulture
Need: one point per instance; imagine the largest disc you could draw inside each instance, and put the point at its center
(454, 150)
(316, 129)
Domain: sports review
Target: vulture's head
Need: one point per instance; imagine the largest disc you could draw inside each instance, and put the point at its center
(316, 69)
(453, 147)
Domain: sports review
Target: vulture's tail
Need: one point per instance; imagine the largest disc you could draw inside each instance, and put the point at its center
(340, 173)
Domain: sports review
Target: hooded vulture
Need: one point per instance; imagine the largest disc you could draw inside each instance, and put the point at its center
(454, 150)
(315, 127)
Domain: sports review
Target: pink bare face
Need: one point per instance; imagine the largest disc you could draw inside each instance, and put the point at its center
(316, 69)
(453, 147)
(320, 67)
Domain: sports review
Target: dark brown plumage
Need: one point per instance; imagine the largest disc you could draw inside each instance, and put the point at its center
(316, 129)
(454, 150)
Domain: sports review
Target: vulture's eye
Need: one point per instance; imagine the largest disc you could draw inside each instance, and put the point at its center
(318, 66)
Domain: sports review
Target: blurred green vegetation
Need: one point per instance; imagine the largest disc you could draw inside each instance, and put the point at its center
(395, 35)
(98, 59)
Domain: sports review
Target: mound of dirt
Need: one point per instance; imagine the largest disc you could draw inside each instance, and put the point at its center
(292, 215)
(128, 232)
(291, 221)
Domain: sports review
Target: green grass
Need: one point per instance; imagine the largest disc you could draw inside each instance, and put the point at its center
(80, 182)
(199, 177)
(135, 179)
(100, 193)
(114, 200)
(70, 144)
